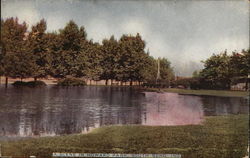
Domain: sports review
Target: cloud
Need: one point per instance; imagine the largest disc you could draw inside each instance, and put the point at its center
(98, 29)
(134, 26)
(24, 10)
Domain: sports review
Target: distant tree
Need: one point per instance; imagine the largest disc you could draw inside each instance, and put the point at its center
(166, 71)
(195, 74)
(149, 72)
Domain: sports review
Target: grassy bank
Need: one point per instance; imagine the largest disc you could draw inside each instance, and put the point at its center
(224, 93)
(220, 136)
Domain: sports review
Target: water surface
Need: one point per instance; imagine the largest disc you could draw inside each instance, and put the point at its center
(53, 111)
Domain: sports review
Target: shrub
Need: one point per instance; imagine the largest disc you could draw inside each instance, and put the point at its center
(19, 83)
(71, 82)
(29, 84)
(36, 83)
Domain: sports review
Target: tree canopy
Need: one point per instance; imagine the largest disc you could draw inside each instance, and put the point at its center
(67, 52)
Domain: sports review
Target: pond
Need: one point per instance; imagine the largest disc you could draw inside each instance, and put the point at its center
(50, 111)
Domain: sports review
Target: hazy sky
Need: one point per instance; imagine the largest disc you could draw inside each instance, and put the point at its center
(185, 32)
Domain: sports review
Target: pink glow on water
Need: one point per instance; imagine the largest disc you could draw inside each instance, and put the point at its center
(172, 109)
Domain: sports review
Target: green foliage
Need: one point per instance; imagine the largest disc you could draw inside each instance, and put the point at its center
(149, 72)
(166, 72)
(16, 61)
(29, 84)
(37, 47)
(71, 82)
(93, 68)
(221, 70)
(219, 136)
(110, 58)
(216, 72)
(132, 60)
(240, 63)
(38, 53)
(69, 51)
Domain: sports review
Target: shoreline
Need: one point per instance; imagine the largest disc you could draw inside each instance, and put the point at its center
(188, 140)
(201, 92)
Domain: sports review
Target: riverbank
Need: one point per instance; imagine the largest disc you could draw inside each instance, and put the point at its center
(222, 93)
(219, 136)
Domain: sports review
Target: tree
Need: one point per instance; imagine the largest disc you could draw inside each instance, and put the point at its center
(70, 58)
(37, 46)
(17, 62)
(93, 69)
(166, 72)
(149, 72)
(240, 63)
(110, 57)
(216, 73)
(1, 62)
(132, 57)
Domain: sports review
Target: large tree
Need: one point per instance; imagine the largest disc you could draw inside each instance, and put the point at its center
(132, 58)
(17, 62)
(110, 58)
(216, 73)
(70, 58)
(240, 63)
(37, 45)
(93, 69)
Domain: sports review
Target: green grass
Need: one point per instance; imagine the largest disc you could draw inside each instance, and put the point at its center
(218, 137)
(224, 93)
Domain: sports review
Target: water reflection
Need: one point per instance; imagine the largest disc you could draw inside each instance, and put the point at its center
(172, 109)
(54, 111)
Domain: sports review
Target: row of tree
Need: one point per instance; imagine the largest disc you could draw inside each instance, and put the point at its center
(222, 70)
(38, 53)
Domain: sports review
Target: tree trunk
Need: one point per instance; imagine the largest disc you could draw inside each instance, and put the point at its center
(6, 81)
(96, 83)
(0, 80)
(139, 83)
(35, 78)
(106, 82)
(247, 84)
(121, 83)
(111, 82)
(131, 83)
(89, 82)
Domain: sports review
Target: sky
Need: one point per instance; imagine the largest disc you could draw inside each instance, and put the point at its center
(185, 32)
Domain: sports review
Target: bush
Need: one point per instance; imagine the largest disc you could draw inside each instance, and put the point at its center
(29, 84)
(36, 83)
(71, 82)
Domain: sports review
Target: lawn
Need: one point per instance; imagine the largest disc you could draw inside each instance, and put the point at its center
(218, 137)
(223, 93)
